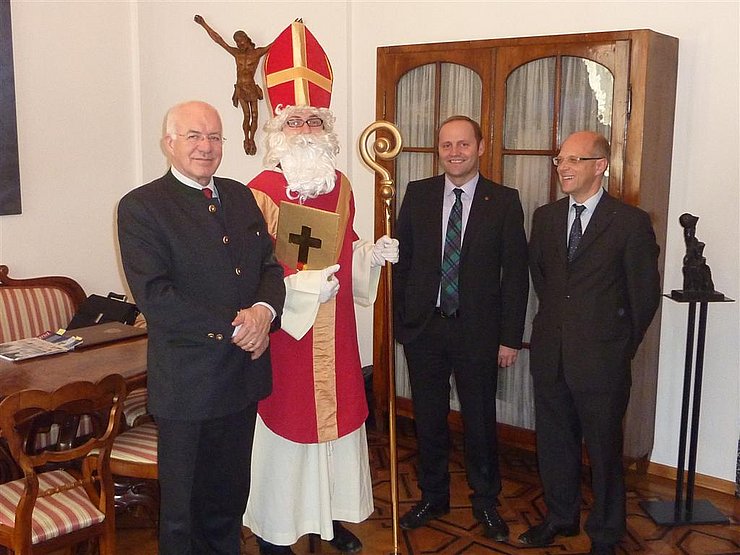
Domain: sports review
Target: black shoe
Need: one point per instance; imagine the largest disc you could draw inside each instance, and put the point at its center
(344, 540)
(602, 549)
(494, 526)
(545, 532)
(267, 548)
(421, 513)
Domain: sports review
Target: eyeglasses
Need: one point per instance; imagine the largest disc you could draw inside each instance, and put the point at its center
(196, 138)
(573, 159)
(296, 123)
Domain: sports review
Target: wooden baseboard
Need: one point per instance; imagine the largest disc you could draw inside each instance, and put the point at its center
(525, 439)
(701, 480)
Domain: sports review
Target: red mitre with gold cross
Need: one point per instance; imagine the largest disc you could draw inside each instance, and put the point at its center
(296, 70)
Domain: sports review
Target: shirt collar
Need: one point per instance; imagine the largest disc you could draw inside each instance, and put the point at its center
(590, 202)
(468, 187)
(191, 182)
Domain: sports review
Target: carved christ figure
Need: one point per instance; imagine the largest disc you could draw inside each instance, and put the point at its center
(247, 92)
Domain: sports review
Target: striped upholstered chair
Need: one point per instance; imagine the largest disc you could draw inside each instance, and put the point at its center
(134, 467)
(46, 510)
(29, 307)
(133, 463)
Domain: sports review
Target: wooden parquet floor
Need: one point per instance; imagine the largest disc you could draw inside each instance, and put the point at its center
(521, 505)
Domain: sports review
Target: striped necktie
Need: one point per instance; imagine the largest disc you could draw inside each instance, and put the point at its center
(449, 296)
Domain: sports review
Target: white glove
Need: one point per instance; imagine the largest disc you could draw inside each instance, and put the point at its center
(329, 283)
(385, 250)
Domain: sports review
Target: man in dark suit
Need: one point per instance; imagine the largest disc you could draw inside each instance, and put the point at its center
(594, 267)
(466, 317)
(200, 264)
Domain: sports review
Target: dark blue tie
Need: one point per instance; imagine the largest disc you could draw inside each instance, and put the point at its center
(449, 295)
(576, 232)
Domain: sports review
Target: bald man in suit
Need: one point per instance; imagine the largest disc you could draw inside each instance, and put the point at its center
(593, 261)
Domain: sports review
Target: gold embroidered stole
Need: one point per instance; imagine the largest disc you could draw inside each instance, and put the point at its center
(324, 332)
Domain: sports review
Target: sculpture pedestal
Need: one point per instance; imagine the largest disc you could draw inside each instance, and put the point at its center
(681, 296)
(678, 512)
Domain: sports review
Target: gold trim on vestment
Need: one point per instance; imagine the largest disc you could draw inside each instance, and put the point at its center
(324, 332)
(269, 209)
(345, 190)
(324, 371)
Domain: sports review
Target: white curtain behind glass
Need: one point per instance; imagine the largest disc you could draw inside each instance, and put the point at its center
(588, 89)
(415, 121)
(528, 121)
(461, 93)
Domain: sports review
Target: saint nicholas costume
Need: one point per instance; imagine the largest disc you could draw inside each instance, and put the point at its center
(310, 462)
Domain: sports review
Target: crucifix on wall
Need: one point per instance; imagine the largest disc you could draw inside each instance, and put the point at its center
(247, 93)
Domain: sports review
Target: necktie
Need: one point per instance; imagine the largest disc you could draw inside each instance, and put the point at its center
(207, 192)
(449, 296)
(576, 232)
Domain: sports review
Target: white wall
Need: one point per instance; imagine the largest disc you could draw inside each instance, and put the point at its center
(73, 78)
(93, 81)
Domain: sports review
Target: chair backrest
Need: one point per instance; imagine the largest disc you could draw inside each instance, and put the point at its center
(88, 488)
(29, 307)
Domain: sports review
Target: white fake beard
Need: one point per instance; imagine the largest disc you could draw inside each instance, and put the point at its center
(309, 165)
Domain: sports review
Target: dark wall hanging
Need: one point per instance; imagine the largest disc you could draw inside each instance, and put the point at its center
(10, 182)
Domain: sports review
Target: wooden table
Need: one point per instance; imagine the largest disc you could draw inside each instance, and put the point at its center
(48, 373)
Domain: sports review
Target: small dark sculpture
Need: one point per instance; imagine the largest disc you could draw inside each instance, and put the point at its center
(247, 92)
(697, 276)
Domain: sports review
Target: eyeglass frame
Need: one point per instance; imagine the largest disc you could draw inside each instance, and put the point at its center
(303, 122)
(197, 138)
(557, 160)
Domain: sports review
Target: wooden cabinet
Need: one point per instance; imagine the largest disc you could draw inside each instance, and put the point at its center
(529, 94)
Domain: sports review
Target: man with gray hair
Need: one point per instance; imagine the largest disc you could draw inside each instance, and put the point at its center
(201, 267)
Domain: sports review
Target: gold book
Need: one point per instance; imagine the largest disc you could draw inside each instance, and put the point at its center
(307, 238)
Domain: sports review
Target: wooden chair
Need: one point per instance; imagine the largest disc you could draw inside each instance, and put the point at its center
(29, 307)
(135, 409)
(133, 463)
(47, 510)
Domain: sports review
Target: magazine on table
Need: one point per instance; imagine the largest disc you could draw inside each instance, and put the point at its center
(48, 343)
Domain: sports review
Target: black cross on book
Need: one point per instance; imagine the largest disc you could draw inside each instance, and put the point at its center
(304, 242)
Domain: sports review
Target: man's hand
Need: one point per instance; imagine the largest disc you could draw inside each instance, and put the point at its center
(254, 327)
(506, 356)
(385, 250)
(329, 283)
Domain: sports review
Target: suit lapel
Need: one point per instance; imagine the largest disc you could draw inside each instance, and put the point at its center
(478, 214)
(434, 214)
(234, 223)
(560, 228)
(599, 222)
